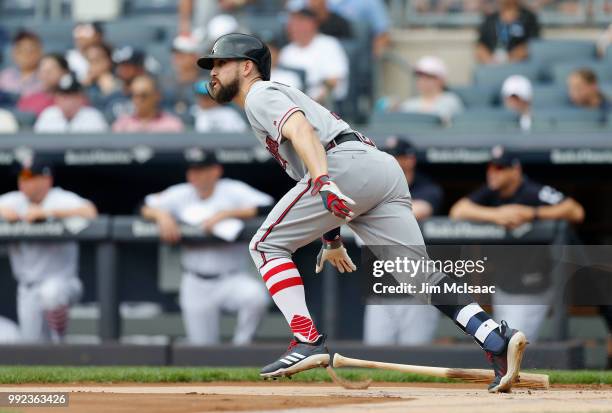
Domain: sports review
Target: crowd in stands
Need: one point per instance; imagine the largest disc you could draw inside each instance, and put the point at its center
(310, 52)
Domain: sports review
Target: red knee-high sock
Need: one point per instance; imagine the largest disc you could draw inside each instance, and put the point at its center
(285, 285)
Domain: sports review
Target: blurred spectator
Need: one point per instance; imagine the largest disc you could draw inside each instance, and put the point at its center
(583, 91)
(216, 276)
(281, 74)
(129, 64)
(22, 79)
(372, 13)
(194, 14)
(148, 116)
(100, 83)
(432, 96)
(213, 117)
(512, 199)
(387, 322)
(504, 35)
(52, 67)
(517, 94)
(330, 22)
(70, 112)
(47, 272)
(8, 123)
(179, 87)
(84, 35)
(320, 56)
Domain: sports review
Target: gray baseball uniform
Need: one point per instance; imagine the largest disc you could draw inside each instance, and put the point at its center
(373, 179)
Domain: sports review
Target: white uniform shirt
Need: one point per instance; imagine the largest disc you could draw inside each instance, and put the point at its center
(182, 200)
(88, 120)
(77, 63)
(323, 58)
(218, 119)
(269, 104)
(35, 261)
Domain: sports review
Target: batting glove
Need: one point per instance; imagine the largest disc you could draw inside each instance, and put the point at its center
(335, 253)
(335, 201)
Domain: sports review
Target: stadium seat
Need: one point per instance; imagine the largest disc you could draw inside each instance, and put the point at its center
(126, 33)
(266, 26)
(567, 119)
(550, 96)
(162, 54)
(16, 9)
(494, 75)
(25, 120)
(561, 50)
(561, 71)
(403, 122)
(150, 7)
(475, 96)
(486, 120)
(58, 32)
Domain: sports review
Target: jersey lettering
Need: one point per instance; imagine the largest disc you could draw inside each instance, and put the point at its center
(272, 147)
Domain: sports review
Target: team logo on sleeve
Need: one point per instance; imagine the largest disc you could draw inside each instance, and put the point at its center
(272, 147)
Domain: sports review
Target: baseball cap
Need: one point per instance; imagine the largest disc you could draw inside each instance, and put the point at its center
(129, 55)
(500, 156)
(519, 86)
(431, 66)
(398, 145)
(221, 25)
(198, 158)
(185, 44)
(68, 84)
(35, 166)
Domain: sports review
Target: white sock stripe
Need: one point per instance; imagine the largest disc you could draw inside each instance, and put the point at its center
(282, 276)
(485, 328)
(468, 312)
(272, 264)
(298, 355)
(291, 358)
(285, 361)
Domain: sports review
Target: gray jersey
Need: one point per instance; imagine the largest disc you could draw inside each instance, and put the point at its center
(268, 105)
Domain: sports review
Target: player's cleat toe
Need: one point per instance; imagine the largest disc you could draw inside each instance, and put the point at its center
(298, 357)
(507, 364)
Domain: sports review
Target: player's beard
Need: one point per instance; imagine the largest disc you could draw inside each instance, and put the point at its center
(226, 94)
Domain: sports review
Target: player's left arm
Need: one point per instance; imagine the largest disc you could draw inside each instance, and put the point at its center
(568, 209)
(88, 210)
(306, 143)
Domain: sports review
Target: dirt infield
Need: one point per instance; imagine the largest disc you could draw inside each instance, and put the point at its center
(300, 397)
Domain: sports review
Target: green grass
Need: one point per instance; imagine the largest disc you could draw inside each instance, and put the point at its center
(52, 374)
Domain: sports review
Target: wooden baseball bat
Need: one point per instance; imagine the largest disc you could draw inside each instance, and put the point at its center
(529, 380)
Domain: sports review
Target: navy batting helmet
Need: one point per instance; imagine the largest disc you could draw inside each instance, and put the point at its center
(240, 46)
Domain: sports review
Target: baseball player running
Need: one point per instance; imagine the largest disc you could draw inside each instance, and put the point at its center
(342, 178)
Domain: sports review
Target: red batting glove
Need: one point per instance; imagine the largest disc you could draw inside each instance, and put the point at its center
(333, 199)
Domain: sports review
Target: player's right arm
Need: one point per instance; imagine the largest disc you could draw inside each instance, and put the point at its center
(159, 207)
(169, 230)
(308, 146)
